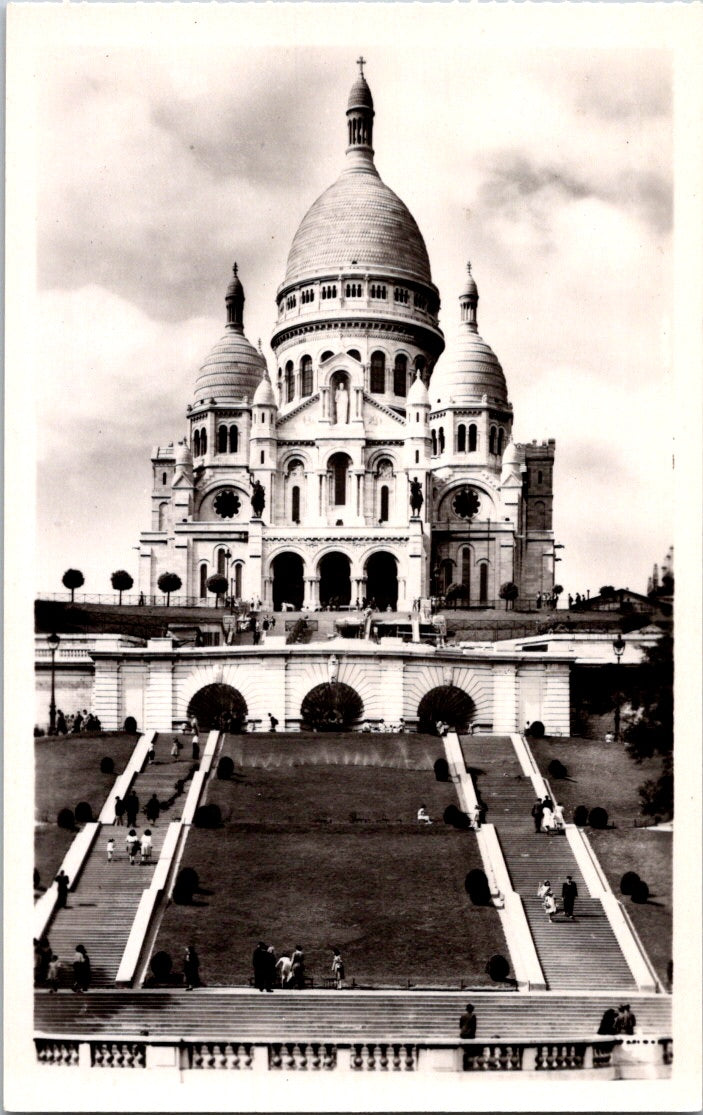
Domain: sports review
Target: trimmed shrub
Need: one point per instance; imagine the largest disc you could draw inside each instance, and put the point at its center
(640, 892)
(107, 765)
(450, 814)
(476, 885)
(498, 968)
(66, 820)
(84, 813)
(536, 730)
(441, 770)
(556, 769)
(130, 725)
(598, 818)
(225, 768)
(581, 815)
(629, 881)
(207, 816)
(161, 965)
(179, 785)
(186, 884)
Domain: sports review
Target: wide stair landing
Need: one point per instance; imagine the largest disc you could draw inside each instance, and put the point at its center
(329, 1016)
(579, 954)
(102, 907)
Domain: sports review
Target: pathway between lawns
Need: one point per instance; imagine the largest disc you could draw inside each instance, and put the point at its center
(582, 954)
(102, 907)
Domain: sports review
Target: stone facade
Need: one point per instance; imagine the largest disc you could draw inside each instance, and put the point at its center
(295, 482)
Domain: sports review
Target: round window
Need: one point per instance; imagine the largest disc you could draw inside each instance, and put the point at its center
(466, 503)
(227, 504)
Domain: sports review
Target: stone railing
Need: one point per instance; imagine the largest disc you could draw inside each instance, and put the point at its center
(605, 1058)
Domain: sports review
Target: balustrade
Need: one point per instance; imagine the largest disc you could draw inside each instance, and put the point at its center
(57, 1052)
(292, 1056)
(488, 1058)
(384, 1058)
(559, 1057)
(220, 1055)
(117, 1055)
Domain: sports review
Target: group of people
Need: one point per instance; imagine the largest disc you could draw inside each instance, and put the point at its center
(71, 724)
(139, 848)
(398, 728)
(620, 1021)
(128, 807)
(546, 816)
(569, 894)
(48, 968)
(288, 970)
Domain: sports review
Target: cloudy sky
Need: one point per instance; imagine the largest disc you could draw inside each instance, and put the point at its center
(162, 158)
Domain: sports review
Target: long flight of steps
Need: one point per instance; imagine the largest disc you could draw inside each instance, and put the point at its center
(102, 907)
(330, 1016)
(575, 955)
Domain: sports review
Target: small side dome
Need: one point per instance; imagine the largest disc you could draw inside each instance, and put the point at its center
(417, 394)
(511, 455)
(183, 456)
(264, 396)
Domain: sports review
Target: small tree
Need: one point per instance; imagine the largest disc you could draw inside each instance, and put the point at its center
(557, 590)
(217, 584)
(121, 581)
(73, 579)
(607, 592)
(508, 592)
(168, 583)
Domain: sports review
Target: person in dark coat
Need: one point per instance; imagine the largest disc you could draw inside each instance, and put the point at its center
(61, 725)
(260, 963)
(298, 968)
(270, 968)
(63, 883)
(467, 1024)
(569, 894)
(608, 1021)
(152, 809)
(537, 811)
(131, 808)
(625, 1021)
(191, 968)
(81, 969)
(119, 810)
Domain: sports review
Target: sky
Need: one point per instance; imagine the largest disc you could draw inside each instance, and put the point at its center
(160, 161)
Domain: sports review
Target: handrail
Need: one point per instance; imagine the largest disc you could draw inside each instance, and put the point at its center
(72, 865)
(122, 784)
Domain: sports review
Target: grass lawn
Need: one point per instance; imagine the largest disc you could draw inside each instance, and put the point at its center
(66, 771)
(290, 866)
(603, 774)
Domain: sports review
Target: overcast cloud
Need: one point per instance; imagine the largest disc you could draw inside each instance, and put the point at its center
(550, 170)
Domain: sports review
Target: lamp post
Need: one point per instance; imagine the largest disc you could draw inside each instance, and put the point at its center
(53, 641)
(228, 558)
(619, 648)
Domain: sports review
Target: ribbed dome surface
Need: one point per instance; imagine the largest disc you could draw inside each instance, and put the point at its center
(360, 95)
(232, 370)
(264, 396)
(358, 222)
(473, 372)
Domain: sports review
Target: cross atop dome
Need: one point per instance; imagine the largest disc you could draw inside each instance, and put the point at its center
(361, 62)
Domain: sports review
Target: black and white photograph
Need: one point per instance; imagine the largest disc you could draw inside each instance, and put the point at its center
(352, 505)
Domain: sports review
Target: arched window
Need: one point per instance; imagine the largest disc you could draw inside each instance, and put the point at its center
(501, 435)
(441, 439)
(222, 439)
(434, 443)
(466, 572)
(233, 439)
(483, 583)
(446, 575)
(306, 375)
(417, 456)
(339, 464)
(540, 515)
(203, 581)
(492, 440)
(461, 439)
(238, 580)
(378, 373)
(384, 504)
(203, 442)
(163, 516)
(473, 438)
(290, 381)
(295, 504)
(196, 443)
(354, 353)
(325, 356)
(400, 375)
(221, 563)
(539, 477)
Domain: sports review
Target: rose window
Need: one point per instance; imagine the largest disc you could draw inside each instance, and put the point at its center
(227, 504)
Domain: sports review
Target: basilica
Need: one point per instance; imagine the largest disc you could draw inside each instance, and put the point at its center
(362, 465)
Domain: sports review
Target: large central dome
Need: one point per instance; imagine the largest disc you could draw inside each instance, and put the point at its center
(358, 223)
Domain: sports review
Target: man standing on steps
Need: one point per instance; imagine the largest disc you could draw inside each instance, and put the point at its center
(537, 810)
(467, 1023)
(569, 894)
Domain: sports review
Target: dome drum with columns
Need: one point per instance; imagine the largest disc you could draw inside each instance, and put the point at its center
(295, 482)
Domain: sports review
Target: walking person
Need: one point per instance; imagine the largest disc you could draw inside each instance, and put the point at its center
(191, 968)
(260, 964)
(62, 883)
(537, 810)
(467, 1024)
(53, 977)
(283, 966)
(81, 970)
(119, 810)
(543, 888)
(175, 750)
(146, 846)
(550, 906)
(569, 894)
(132, 845)
(338, 969)
(110, 849)
(298, 968)
(270, 968)
(152, 809)
(195, 749)
(131, 805)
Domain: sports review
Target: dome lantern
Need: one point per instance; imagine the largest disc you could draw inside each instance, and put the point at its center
(468, 301)
(233, 368)
(360, 116)
(234, 301)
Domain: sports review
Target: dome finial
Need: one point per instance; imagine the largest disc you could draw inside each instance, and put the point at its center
(360, 116)
(469, 301)
(234, 269)
(361, 62)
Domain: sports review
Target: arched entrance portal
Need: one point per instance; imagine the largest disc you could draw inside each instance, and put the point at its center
(382, 580)
(331, 707)
(335, 581)
(287, 581)
(219, 707)
(447, 703)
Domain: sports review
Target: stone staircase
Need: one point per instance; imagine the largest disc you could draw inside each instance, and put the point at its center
(575, 955)
(331, 1016)
(102, 907)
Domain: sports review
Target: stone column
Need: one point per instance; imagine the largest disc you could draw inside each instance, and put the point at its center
(505, 702)
(308, 598)
(107, 693)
